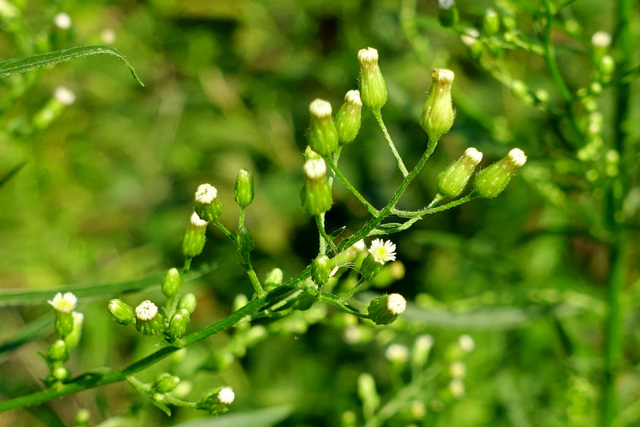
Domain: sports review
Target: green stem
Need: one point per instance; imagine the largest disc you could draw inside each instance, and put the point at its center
(373, 211)
(429, 210)
(224, 229)
(324, 238)
(378, 115)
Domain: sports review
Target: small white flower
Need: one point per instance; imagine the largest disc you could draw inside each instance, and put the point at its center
(383, 251)
(396, 304)
(320, 108)
(353, 97)
(315, 168)
(470, 36)
(397, 353)
(466, 343)
(64, 95)
(206, 194)
(197, 222)
(445, 4)
(146, 311)
(62, 21)
(601, 39)
(517, 157)
(64, 303)
(226, 396)
(368, 56)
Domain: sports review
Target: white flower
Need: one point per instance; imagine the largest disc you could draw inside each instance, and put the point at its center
(470, 36)
(359, 246)
(64, 303)
(146, 311)
(445, 4)
(62, 21)
(206, 194)
(397, 353)
(64, 95)
(383, 251)
(601, 39)
(320, 108)
(396, 304)
(466, 343)
(315, 168)
(197, 222)
(226, 396)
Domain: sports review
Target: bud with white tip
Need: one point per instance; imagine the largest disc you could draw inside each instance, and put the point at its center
(454, 179)
(349, 117)
(148, 320)
(64, 306)
(208, 205)
(316, 192)
(438, 114)
(491, 181)
(194, 238)
(373, 90)
(216, 401)
(323, 135)
(447, 13)
(385, 309)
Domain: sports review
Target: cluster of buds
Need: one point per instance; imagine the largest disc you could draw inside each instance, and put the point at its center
(68, 324)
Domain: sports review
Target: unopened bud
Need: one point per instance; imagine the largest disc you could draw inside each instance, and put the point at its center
(244, 188)
(316, 192)
(188, 302)
(320, 269)
(491, 181)
(373, 90)
(447, 13)
(323, 135)
(274, 279)
(121, 311)
(216, 401)
(194, 237)
(438, 114)
(148, 320)
(165, 383)
(385, 309)
(491, 22)
(58, 352)
(172, 284)
(454, 179)
(73, 338)
(178, 325)
(208, 205)
(349, 117)
(244, 241)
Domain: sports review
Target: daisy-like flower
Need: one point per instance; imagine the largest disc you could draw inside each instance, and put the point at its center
(146, 311)
(206, 194)
(383, 251)
(64, 303)
(226, 396)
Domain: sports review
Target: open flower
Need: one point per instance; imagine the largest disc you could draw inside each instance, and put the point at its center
(64, 303)
(383, 251)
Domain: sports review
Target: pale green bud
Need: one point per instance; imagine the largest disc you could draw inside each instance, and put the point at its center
(58, 352)
(320, 269)
(208, 205)
(178, 325)
(323, 135)
(470, 39)
(172, 284)
(368, 393)
(121, 312)
(316, 192)
(73, 338)
(274, 279)
(82, 418)
(244, 188)
(607, 66)
(188, 302)
(438, 114)
(60, 373)
(385, 309)
(447, 13)
(491, 22)
(244, 241)
(194, 237)
(349, 117)
(216, 401)
(165, 383)
(454, 179)
(63, 323)
(491, 181)
(373, 90)
(309, 154)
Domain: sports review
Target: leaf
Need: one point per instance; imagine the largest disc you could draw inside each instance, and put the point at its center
(257, 418)
(14, 298)
(30, 332)
(11, 173)
(18, 66)
(337, 232)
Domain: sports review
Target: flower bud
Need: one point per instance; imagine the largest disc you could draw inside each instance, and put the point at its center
(385, 309)
(216, 401)
(194, 237)
(447, 13)
(188, 302)
(368, 393)
(244, 241)
(323, 136)
(165, 383)
(397, 354)
(63, 323)
(208, 205)
(73, 338)
(373, 90)
(178, 325)
(438, 114)
(148, 320)
(470, 39)
(62, 97)
(274, 279)
(316, 192)
(121, 312)
(244, 188)
(452, 181)
(606, 66)
(172, 284)
(492, 180)
(491, 22)
(320, 269)
(60, 373)
(58, 352)
(82, 418)
(349, 117)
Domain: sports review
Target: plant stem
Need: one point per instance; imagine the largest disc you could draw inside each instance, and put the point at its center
(378, 115)
(324, 238)
(373, 211)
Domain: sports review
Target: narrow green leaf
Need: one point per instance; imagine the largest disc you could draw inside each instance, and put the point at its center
(30, 332)
(11, 173)
(18, 66)
(21, 297)
(259, 418)
(337, 232)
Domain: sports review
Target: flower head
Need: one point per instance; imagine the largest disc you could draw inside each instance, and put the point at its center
(64, 303)
(146, 311)
(62, 21)
(206, 194)
(226, 396)
(383, 251)
(396, 304)
(601, 39)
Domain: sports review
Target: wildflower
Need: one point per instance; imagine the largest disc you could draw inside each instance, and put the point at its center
(323, 135)
(194, 238)
(149, 321)
(62, 21)
(64, 96)
(385, 309)
(383, 251)
(466, 343)
(64, 303)
(208, 205)
(437, 113)
(397, 353)
(349, 117)
(491, 181)
(453, 179)
(146, 311)
(601, 39)
(373, 90)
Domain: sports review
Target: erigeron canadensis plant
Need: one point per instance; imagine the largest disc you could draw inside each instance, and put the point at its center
(320, 282)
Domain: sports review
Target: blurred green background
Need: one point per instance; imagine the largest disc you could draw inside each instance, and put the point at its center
(106, 191)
